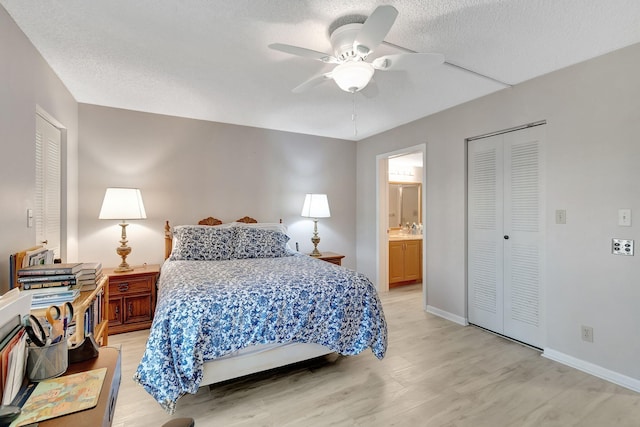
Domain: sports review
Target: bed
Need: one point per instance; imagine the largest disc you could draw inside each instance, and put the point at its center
(234, 299)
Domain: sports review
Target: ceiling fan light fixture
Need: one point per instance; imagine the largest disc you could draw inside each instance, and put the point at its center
(353, 76)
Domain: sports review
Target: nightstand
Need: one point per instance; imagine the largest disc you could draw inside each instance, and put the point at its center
(132, 298)
(331, 257)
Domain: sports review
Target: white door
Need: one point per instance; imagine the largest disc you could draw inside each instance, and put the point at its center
(48, 182)
(505, 225)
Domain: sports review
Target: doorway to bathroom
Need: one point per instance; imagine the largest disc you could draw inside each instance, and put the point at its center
(401, 220)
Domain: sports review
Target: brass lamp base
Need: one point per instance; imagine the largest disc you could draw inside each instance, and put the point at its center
(123, 267)
(315, 239)
(123, 250)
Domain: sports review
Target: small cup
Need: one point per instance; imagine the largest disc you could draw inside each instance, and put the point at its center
(46, 362)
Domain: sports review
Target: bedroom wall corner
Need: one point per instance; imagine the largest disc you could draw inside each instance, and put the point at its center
(26, 83)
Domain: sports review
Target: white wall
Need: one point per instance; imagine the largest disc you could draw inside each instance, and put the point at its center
(190, 169)
(593, 158)
(593, 154)
(27, 81)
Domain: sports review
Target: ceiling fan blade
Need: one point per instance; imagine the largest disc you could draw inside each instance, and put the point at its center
(312, 82)
(304, 52)
(374, 29)
(408, 61)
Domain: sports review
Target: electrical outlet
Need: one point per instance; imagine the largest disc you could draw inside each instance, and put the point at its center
(587, 333)
(622, 247)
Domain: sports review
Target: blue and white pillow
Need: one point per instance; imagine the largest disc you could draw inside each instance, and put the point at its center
(202, 243)
(259, 243)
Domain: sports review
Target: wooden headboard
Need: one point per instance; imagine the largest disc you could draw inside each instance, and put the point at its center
(168, 237)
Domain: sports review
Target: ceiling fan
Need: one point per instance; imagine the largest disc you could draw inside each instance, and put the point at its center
(352, 44)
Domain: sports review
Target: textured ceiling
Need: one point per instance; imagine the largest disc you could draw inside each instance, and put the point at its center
(209, 59)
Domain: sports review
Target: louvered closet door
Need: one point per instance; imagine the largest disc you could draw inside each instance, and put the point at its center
(485, 233)
(505, 234)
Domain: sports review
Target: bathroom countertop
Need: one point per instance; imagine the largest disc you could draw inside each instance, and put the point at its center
(400, 237)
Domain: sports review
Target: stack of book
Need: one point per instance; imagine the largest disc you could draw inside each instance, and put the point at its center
(89, 275)
(50, 284)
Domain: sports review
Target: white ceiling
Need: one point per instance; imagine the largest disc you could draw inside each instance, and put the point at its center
(209, 59)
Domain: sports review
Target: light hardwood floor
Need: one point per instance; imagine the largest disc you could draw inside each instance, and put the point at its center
(435, 373)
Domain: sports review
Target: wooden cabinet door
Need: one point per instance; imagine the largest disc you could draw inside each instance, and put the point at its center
(396, 262)
(137, 309)
(115, 312)
(405, 261)
(412, 260)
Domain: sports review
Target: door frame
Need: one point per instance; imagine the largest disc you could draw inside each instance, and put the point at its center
(382, 216)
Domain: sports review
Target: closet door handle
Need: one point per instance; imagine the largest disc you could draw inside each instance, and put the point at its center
(506, 237)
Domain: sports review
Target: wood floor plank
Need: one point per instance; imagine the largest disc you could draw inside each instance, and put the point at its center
(436, 373)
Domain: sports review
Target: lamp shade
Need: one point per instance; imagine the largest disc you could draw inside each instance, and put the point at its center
(352, 76)
(316, 206)
(122, 203)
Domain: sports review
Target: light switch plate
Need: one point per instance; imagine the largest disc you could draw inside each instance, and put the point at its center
(561, 216)
(624, 217)
(622, 247)
(29, 218)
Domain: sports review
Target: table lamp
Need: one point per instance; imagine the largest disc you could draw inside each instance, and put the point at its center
(123, 204)
(315, 206)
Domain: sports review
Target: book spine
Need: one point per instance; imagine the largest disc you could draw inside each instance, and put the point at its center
(56, 278)
(46, 272)
(12, 271)
(55, 295)
(40, 285)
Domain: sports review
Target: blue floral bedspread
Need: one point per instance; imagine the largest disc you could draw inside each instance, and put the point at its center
(208, 309)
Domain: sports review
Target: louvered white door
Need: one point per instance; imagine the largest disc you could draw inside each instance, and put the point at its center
(485, 258)
(48, 182)
(505, 234)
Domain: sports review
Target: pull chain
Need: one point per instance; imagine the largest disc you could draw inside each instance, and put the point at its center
(354, 116)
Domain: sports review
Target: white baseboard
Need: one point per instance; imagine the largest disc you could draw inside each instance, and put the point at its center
(449, 316)
(595, 370)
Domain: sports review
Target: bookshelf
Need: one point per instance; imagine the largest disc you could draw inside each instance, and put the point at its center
(82, 304)
(88, 301)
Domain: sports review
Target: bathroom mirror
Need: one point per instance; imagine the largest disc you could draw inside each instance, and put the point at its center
(405, 203)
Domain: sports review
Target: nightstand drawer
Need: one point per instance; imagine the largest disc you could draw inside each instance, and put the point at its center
(331, 257)
(118, 285)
